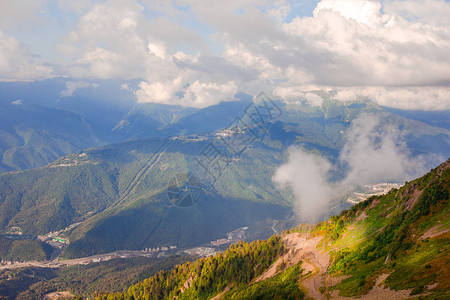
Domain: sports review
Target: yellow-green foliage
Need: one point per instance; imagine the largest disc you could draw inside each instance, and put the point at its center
(237, 266)
(391, 239)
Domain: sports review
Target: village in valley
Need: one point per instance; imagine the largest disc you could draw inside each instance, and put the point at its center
(58, 240)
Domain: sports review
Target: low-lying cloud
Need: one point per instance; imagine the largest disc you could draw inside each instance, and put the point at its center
(306, 174)
(375, 151)
(72, 86)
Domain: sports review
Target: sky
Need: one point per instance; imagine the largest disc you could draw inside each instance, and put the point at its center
(198, 53)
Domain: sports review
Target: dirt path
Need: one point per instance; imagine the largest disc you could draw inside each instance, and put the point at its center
(303, 248)
(217, 297)
(313, 282)
(319, 263)
(434, 231)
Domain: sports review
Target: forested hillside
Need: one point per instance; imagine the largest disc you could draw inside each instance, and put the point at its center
(117, 195)
(392, 246)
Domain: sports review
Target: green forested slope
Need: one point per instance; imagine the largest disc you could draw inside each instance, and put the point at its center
(23, 249)
(404, 235)
(118, 192)
(236, 267)
(32, 136)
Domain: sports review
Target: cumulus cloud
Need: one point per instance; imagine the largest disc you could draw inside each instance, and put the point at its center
(364, 46)
(424, 97)
(20, 13)
(107, 42)
(198, 94)
(387, 51)
(18, 63)
(72, 86)
(297, 93)
(375, 151)
(395, 52)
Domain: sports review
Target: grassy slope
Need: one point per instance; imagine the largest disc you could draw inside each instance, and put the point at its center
(380, 235)
(32, 136)
(389, 240)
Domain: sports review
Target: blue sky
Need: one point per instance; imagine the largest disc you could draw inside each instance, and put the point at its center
(394, 52)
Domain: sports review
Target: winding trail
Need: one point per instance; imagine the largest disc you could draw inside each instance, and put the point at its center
(315, 280)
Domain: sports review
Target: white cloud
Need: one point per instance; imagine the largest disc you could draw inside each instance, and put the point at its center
(198, 94)
(365, 12)
(393, 51)
(20, 13)
(159, 92)
(306, 174)
(79, 6)
(375, 151)
(434, 12)
(18, 63)
(298, 93)
(202, 94)
(72, 86)
(157, 49)
(107, 42)
(413, 97)
(17, 102)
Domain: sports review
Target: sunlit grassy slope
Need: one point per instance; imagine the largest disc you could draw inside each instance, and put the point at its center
(404, 235)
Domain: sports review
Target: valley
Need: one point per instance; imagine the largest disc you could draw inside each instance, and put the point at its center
(59, 244)
(369, 250)
(224, 150)
(117, 204)
(382, 247)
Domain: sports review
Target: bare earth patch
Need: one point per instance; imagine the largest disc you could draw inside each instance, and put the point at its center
(415, 196)
(302, 248)
(362, 216)
(434, 231)
(221, 294)
(374, 203)
(58, 295)
(291, 240)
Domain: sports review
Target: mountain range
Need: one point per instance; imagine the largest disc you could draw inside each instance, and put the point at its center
(115, 197)
(392, 246)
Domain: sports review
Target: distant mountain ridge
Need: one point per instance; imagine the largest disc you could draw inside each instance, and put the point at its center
(40, 121)
(43, 120)
(118, 192)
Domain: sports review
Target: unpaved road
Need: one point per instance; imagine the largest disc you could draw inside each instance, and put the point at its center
(302, 248)
(78, 261)
(315, 280)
